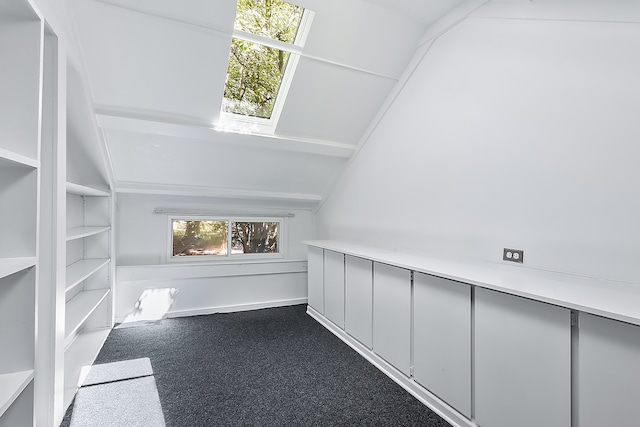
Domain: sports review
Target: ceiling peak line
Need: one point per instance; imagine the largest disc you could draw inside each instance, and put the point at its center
(296, 50)
(460, 14)
(585, 20)
(411, 69)
(449, 27)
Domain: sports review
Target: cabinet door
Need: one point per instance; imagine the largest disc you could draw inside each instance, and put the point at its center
(522, 362)
(315, 267)
(608, 373)
(334, 287)
(392, 315)
(442, 339)
(359, 299)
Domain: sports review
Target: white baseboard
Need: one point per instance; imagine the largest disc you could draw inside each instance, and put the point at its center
(438, 406)
(230, 308)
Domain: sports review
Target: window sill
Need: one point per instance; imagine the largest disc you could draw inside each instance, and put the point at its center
(203, 269)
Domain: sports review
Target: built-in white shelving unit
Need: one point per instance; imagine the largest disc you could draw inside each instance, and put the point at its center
(56, 274)
(88, 286)
(20, 84)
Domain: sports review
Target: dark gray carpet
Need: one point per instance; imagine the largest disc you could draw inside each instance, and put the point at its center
(271, 367)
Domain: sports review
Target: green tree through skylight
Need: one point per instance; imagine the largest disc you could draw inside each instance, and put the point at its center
(274, 19)
(255, 72)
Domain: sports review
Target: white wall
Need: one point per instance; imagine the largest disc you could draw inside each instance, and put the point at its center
(510, 133)
(142, 239)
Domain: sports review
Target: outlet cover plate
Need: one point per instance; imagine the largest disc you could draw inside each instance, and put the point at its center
(513, 255)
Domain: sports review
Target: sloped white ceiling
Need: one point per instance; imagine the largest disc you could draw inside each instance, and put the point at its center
(343, 102)
(159, 64)
(139, 63)
(152, 159)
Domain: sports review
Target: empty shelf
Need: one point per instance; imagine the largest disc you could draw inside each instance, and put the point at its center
(83, 190)
(79, 308)
(9, 158)
(11, 385)
(9, 266)
(81, 354)
(79, 271)
(80, 232)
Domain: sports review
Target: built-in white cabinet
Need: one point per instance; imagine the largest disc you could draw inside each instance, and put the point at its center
(315, 266)
(608, 372)
(20, 48)
(484, 345)
(522, 362)
(334, 287)
(359, 299)
(442, 339)
(392, 315)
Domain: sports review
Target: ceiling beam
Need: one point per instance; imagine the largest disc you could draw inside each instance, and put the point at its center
(128, 187)
(181, 129)
(245, 36)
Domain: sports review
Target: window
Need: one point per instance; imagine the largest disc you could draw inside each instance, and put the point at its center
(262, 59)
(225, 238)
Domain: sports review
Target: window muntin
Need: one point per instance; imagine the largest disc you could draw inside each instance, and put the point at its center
(261, 64)
(215, 238)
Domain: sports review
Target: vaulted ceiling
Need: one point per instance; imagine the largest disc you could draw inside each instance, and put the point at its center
(156, 71)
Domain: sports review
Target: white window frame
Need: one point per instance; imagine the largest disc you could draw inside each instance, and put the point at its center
(229, 257)
(249, 124)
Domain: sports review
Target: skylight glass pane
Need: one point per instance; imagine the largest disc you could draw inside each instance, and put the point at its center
(254, 75)
(274, 19)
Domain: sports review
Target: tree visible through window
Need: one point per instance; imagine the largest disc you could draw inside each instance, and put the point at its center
(213, 237)
(199, 237)
(254, 237)
(255, 71)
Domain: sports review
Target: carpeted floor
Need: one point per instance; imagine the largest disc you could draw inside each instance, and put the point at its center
(271, 367)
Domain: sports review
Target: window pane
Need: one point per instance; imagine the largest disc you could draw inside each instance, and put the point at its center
(197, 238)
(255, 237)
(274, 19)
(254, 75)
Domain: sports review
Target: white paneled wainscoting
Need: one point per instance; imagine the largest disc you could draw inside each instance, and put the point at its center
(485, 344)
(148, 292)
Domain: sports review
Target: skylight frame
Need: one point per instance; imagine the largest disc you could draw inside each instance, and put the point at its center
(250, 124)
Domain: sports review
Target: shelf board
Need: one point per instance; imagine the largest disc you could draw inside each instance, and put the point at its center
(11, 385)
(82, 352)
(80, 232)
(83, 190)
(8, 266)
(80, 270)
(79, 308)
(11, 159)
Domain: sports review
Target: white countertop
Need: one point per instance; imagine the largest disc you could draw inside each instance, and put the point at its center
(615, 300)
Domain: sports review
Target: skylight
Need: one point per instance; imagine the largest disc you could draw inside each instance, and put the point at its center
(268, 35)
